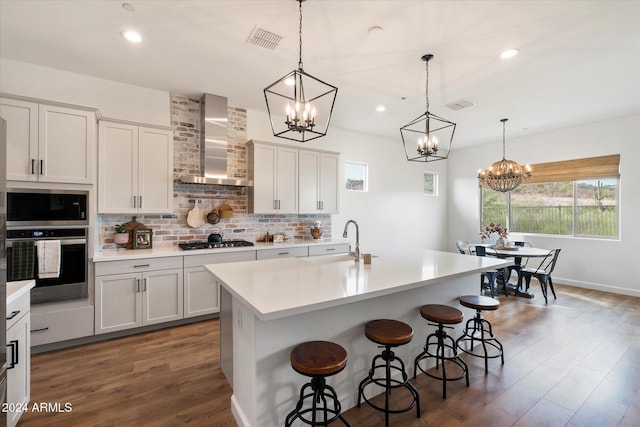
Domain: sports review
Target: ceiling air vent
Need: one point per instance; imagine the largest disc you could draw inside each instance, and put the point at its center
(460, 104)
(264, 38)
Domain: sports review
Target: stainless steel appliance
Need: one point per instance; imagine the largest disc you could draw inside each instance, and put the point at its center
(3, 271)
(36, 208)
(71, 282)
(214, 245)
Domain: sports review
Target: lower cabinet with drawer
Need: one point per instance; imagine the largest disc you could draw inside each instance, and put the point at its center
(339, 248)
(18, 358)
(134, 293)
(61, 325)
(201, 293)
(297, 251)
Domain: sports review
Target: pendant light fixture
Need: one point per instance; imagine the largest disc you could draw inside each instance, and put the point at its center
(504, 175)
(300, 105)
(427, 138)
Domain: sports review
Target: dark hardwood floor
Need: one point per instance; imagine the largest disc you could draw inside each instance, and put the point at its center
(572, 362)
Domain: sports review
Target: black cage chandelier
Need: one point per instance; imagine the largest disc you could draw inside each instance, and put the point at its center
(300, 105)
(504, 175)
(427, 138)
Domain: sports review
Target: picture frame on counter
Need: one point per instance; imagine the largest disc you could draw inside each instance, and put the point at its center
(142, 239)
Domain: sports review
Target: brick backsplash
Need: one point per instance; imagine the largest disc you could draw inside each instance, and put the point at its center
(169, 230)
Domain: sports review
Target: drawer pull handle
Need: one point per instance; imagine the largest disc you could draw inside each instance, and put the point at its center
(13, 314)
(283, 253)
(330, 249)
(141, 265)
(46, 328)
(14, 354)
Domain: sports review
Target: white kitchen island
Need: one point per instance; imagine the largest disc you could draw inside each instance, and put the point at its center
(270, 306)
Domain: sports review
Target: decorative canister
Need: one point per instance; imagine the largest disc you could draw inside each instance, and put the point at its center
(316, 230)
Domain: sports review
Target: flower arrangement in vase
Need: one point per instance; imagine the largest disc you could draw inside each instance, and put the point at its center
(495, 228)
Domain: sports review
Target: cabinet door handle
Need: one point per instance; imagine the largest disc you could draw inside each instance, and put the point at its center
(137, 285)
(134, 202)
(13, 314)
(322, 204)
(278, 204)
(144, 286)
(41, 167)
(46, 328)
(33, 166)
(14, 354)
(140, 201)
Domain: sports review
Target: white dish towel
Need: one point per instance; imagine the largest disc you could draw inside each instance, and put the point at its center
(48, 258)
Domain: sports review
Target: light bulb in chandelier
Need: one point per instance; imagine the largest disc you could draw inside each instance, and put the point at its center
(428, 145)
(301, 117)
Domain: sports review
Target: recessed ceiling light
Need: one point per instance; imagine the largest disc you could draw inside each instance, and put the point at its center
(128, 7)
(375, 30)
(132, 36)
(509, 53)
(380, 108)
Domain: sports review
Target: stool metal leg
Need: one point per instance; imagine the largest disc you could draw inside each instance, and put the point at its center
(320, 391)
(443, 342)
(388, 383)
(480, 329)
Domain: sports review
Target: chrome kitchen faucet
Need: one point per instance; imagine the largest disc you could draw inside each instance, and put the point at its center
(356, 253)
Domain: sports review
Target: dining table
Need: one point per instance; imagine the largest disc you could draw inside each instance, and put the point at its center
(513, 252)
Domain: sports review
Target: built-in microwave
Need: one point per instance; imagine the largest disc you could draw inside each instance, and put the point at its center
(31, 207)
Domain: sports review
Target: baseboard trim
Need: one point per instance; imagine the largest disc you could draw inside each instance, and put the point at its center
(238, 415)
(598, 287)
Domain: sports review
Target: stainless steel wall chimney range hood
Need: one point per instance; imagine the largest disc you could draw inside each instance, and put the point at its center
(213, 145)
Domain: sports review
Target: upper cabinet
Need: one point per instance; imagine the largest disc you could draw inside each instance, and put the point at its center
(318, 181)
(49, 143)
(289, 180)
(274, 171)
(135, 168)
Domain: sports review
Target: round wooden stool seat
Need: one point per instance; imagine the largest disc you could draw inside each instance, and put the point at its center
(439, 313)
(318, 358)
(478, 302)
(388, 332)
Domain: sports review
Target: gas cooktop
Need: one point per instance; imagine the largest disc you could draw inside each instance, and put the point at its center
(214, 245)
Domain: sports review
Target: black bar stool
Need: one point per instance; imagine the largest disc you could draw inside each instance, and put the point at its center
(479, 329)
(318, 360)
(445, 346)
(388, 334)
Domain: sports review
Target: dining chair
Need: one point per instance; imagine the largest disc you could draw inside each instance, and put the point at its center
(463, 246)
(490, 275)
(519, 262)
(542, 273)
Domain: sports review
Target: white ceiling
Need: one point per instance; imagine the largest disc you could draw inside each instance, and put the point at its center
(579, 61)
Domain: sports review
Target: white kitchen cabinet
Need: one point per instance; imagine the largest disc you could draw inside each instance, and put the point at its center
(135, 168)
(298, 251)
(318, 182)
(201, 291)
(18, 357)
(61, 325)
(338, 248)
(274, 171)
(134, 293)
(49, 143)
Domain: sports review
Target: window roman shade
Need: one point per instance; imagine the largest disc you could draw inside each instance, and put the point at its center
(573, 170)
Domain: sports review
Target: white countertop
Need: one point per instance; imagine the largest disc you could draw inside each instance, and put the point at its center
(279, 288)
(16, 289)
(164, 251)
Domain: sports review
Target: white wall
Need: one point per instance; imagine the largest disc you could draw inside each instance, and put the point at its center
(114, 99)
(609, 265)
(394, 212)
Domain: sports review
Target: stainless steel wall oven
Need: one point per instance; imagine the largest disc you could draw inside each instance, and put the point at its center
(36, 219)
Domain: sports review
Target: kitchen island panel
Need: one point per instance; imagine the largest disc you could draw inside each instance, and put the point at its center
(274, 305)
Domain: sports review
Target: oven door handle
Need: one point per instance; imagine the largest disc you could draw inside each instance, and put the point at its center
(63, 242)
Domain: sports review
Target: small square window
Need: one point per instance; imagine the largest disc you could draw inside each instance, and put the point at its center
(431, 183)
(356, 176)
